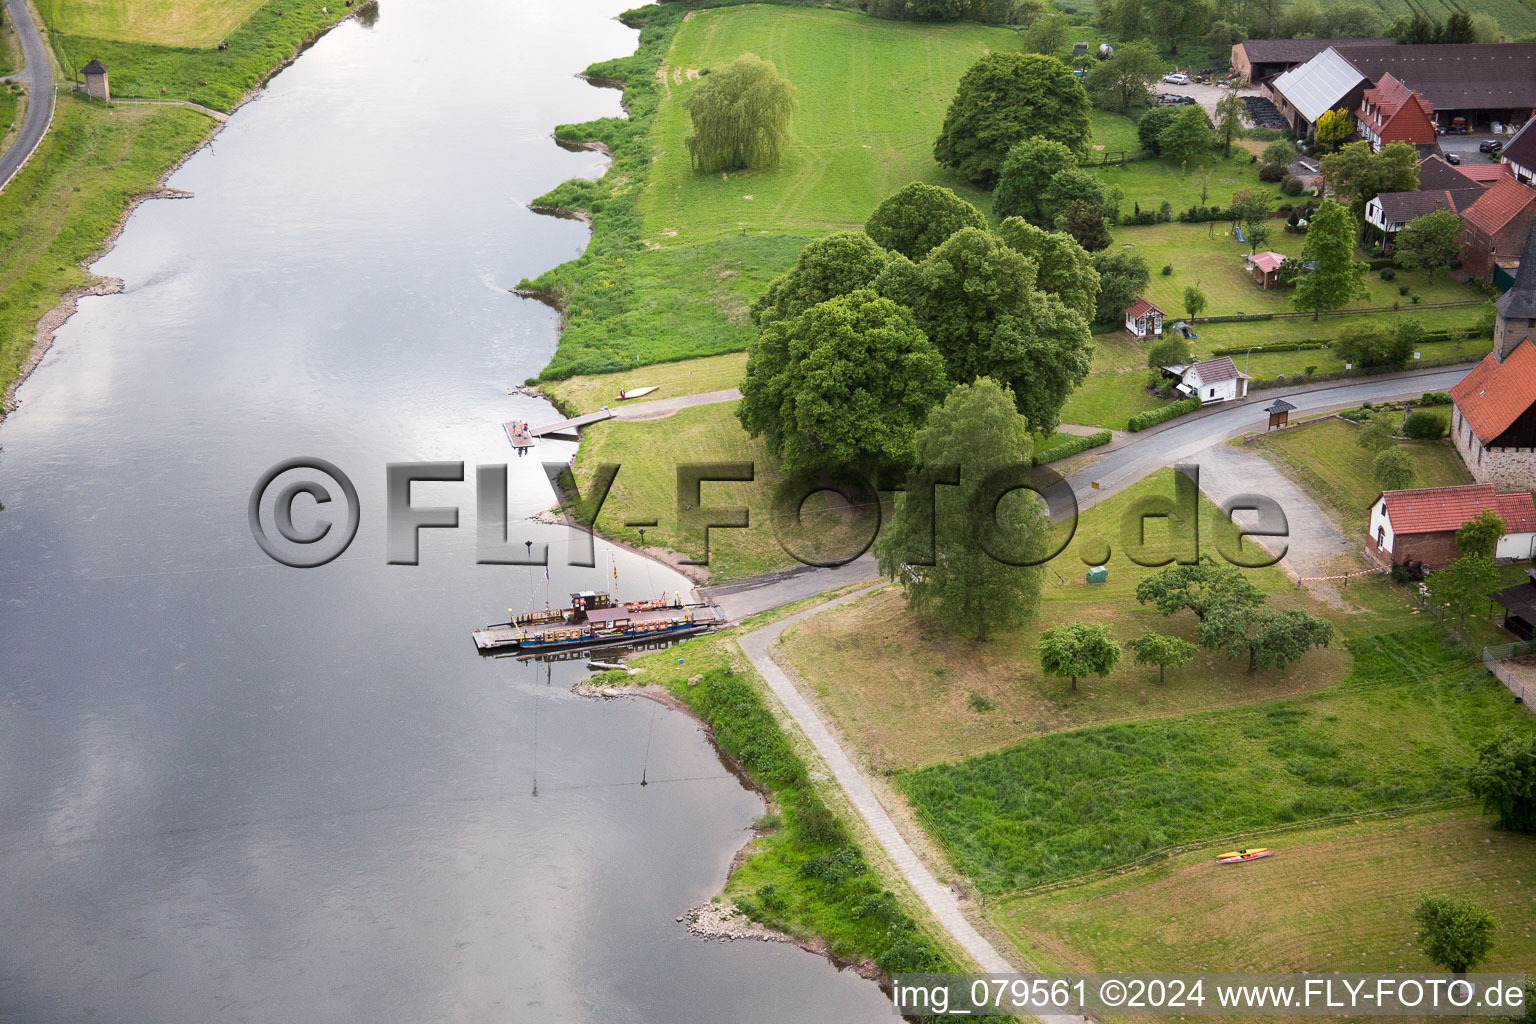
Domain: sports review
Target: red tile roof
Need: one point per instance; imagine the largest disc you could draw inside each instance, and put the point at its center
(1493, 394)
(1267, 261)
(1485, 173)
(1442, 509)
(1140, 308)
(1499, 205)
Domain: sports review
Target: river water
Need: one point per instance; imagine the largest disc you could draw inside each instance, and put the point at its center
(233, 790)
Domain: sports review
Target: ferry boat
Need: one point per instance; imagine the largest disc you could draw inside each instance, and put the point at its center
(594, 619)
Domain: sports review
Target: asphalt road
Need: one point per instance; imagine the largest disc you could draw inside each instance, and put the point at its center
(37, 75)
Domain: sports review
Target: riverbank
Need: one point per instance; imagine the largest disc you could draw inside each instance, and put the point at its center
(64, 211)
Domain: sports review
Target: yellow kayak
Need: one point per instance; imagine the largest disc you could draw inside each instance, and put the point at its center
(1242, 856)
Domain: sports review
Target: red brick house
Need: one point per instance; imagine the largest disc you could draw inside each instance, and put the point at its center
(1392, 112)
(1420, 525)
(1496, 225)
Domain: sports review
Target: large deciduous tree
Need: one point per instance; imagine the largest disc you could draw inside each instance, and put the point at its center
(1075, 185)
(1188, 139)
(1077, 649)
(1125, 79)
(979, 302)
(918, 217)
(842, 387)
(740, 116)
(978, 429)
(1504, 779)
(1122, 276)
(1333, 127)
(1062, 267)
(1026, 174)
(826, 268)
(1004, 99)
(1336, 277)
(1480, 534)
(1429, 242)
(1356, 175)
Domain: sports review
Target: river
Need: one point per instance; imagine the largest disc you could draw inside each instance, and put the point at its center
(233, 790)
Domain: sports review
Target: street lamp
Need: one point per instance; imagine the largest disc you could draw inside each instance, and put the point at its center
(1249, 353)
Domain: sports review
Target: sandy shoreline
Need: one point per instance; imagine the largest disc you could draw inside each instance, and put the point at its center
(55, 318)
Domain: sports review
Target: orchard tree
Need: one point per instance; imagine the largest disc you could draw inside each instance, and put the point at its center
(1162, 651)
(1504, 779)
(843, 387)
(1077, 649)
(1465, 586)
(1480, 534)
(1336, 276)
(1392, 469)
(1194, 302)
(1334, 127)
(915, 219)
(1063, 268)
(1376, 436)
(1455, 932)
(1272, 639)
(1026, 173)
(979, 302)
(1125, 79)
(1230, 110)
(1122, 276)
(1250, 209)
(826, 268)
(1188, 139)
(1202, 589)
(740, 116)
(1004, 99)
(933, 544)
(1429, 241)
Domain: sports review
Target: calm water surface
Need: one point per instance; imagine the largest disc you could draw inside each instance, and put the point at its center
(237, 791)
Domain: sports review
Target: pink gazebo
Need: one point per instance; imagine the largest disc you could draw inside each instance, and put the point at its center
(1264, 267)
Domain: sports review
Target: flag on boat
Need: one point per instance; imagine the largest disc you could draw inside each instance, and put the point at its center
(546, 572)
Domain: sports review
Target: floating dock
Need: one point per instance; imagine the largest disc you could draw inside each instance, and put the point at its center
(517, 433)
(595, 620)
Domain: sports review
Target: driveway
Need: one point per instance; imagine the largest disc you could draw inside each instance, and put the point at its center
(37, 75)
(1205, 95)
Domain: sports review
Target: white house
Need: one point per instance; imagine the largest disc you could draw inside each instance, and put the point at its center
(1143, 320)
(1420, 525)
(1215, 380)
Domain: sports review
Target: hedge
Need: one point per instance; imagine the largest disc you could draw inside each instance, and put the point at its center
(1284, 346)
(1259, 384)
(1076, 446)
(1152, 417)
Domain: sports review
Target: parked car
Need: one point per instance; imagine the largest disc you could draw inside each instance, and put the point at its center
(1490, 145)
(1452, 159)
(1176, 78)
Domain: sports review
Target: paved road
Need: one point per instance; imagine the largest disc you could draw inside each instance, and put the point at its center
(38, 76)
(667, 406)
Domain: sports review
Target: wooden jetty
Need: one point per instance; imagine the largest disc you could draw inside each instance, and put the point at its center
(570, 430)
(596, 620)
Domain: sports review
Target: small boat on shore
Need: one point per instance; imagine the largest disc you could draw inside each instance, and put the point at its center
(1243, 856)
(594, 619)
(625, 394)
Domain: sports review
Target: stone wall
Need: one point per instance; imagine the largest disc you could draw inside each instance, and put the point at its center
(1508, 469)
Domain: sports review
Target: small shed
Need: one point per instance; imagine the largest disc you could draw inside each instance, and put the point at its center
(1265, 268)
(96, 87)
(1519, 604)
(1098, 574)
(1143, 320)
(1279, 413)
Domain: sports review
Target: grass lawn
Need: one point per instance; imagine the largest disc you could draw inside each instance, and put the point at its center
(1334, 898)
(1398, 733)
(1322, 458)
(872, 97)
(260, 37)
(8, 47)
(190, 23)
(1113, 133)
(1152, 182)
(62, 206)
(689, 377)
(1115, 388)
(902, 689)
(10, 107)
(1204, 256)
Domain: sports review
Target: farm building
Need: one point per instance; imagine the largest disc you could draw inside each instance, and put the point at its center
(1497, 224)
(1390, 212)
(1435, 173)
(1143, 319)
(1392, 112)
(1264, 268)
(1308, 91)
(1259, 60)
(1215, 380)
(1420, 525)
(1519, 154)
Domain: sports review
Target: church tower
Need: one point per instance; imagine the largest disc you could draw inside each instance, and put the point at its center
(1517, 307)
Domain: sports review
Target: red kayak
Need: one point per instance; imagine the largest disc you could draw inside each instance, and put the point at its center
(1243, 856)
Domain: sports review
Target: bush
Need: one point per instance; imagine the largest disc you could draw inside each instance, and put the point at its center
(1387, 273)
(1075, 446)
(1167, 269)
(1435, 398)
(1403, 289)
(1292, 185)
(1423, 425)
(1152, 417)
(1272, 173)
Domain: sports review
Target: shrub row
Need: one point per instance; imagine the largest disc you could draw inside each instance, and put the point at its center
(1152, 417)
(1435, 398)
(1259, 384)
(1076, 446)
(1282, 346)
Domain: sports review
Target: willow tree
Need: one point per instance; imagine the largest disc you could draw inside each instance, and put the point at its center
(740, 116)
